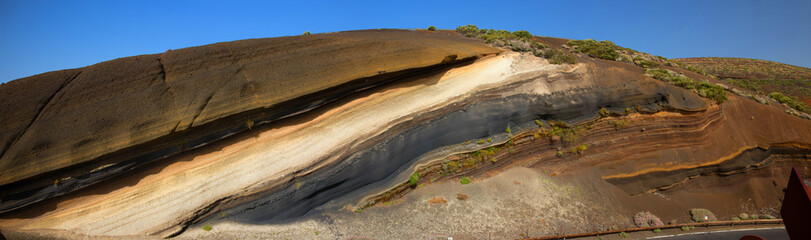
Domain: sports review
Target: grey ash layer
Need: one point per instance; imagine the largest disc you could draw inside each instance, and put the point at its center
(390, 158)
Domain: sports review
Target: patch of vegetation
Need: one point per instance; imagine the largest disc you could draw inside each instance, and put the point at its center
(452, 166)
(519, 41)
(566, 133)
(207, 228)
(743, 216)
(792, 102)
(559, 154)
(508, 130)
(579, 149)
(645, 63)
(539, 123)
(489, 140)
(745, 68)
(657, 230)
(736, 219)
(412, 181)
(703, 89)
(620, 124)
(603, 49)
(557, 56)
(306, 33)
(604, 112)
(431, 28)
(465, 180)
(685, 228)
(623, 234)
(481, 141)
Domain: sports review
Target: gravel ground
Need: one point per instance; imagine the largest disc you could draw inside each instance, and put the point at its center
(514, 203)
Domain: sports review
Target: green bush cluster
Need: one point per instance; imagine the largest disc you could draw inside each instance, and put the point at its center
(493, 35)
(620, 124)
(465, 181)
(306, 33)
(519, 41)
(792, 102)
(557, 56)
(431, 28)
(703, 89)
(695, 69)
(412, 181)
(603, 49)
(645, 63)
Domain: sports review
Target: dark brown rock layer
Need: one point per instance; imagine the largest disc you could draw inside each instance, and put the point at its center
(67, 124)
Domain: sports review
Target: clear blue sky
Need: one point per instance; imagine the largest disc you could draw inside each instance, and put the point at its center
(41, 36)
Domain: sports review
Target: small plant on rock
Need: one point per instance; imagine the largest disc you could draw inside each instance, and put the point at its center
(465, 180)
(412, 181)
(604, 112)
(207, 228)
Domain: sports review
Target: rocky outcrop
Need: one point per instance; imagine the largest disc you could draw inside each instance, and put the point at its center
(68, 129)
(273, 131)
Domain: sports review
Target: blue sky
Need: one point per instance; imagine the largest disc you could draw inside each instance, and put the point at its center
(42, 36)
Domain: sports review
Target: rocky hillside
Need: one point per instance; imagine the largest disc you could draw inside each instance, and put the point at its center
(461, 133)
(757, 75)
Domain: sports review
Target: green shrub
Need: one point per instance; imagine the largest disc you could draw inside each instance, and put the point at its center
(207, 228)
(489, 139)
(452, 166)
(508, 130)
(559, 154)
(623, 234)
(522, 34)
(431, 28)
(412, 181)
(518, 46)
(604, 112)
(465, 180)
(657, 230)
(557, 56)
(468, 30)
(646, 64)
(736, 219)
(481, 141)
(743, 216)
(306, 33)
(703, 89)
(538, 45)
(754, 216)
(685, 228)
(792, 102)
(602, 49)
(619, 124)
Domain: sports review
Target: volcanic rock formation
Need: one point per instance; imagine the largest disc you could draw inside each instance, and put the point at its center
(273, 132)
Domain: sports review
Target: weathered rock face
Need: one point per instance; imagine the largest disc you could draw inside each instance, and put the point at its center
(64, 125)
(271, 130)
